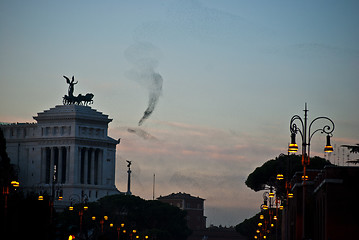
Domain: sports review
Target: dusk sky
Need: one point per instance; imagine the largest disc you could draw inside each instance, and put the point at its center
(233, 74)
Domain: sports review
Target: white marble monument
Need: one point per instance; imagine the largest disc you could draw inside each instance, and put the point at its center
(67, 154)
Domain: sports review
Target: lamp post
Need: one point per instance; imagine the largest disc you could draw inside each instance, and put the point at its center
(306, 134)
(83, 200)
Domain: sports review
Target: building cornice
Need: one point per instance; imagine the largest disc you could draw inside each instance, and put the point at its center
(72, 113)
(109, 142)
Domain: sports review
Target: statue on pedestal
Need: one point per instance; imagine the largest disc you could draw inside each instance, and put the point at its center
(80, 99)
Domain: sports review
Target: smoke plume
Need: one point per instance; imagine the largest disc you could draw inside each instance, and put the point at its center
(144, 57)
(141, 133)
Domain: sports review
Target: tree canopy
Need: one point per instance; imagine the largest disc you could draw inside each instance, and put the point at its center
(154, 219)
(284, 164)
(266, 174)
(7, 170)
(352, 148)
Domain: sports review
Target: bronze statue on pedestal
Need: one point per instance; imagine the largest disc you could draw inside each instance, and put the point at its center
(80, 99)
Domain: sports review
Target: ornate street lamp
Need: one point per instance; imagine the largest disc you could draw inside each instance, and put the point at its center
(306, 136)
(280, 176)
(83, 199)
(293, 146)
(328, 147)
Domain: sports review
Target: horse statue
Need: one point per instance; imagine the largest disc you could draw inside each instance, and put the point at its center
(80, 99)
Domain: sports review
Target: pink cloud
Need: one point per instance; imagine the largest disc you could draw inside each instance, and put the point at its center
(208, 162)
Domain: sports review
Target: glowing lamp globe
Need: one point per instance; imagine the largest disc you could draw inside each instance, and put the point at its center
(328, 148)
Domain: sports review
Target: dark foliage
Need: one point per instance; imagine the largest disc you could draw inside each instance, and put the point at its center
(352, 148)
(284, 164)
(152, 218)
(26, 218)
(8, 171)
(249, 226)
(265, 176)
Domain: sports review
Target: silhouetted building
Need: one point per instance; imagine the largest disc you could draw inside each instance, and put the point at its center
(336, 214)
(194, 206)
(331, 211)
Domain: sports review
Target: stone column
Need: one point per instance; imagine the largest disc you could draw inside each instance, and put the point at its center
(100, 167)
(68, 164)
(86, 165)
(96, 166)
(93, 167)
(47, 161)
(79, 164)
(43, 166)
(72, 173)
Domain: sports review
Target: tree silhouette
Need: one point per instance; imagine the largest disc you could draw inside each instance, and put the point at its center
(353, 149)
(284, 164)
(154, 219)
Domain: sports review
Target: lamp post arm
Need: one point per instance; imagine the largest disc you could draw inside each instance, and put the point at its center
(328, 129)
(293, 126)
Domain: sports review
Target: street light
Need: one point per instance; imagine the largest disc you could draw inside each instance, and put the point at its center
(280, 176)
(306, 135)
(15, 184)
(293, 147)
(328, 147)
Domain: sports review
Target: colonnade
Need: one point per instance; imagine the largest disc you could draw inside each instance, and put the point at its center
(55, 163)
(87, 167)
(90, 160)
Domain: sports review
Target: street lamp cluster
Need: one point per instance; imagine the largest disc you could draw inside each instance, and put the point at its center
(268, 219)
(103, 223)
(269, 214)
(306, 132)
(299, 125)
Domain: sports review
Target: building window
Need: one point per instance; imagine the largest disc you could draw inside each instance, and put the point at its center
(47, 131)
(63, 130)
